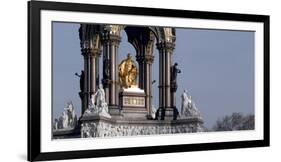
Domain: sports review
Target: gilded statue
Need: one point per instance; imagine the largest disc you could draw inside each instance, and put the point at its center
(128, 72)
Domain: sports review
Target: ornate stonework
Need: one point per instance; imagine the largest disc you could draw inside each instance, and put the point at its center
(103, 127)
(133, 101)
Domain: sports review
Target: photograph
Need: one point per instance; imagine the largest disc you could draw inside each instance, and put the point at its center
(123, 80)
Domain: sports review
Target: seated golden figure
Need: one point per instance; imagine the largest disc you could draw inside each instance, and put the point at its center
(128, 72)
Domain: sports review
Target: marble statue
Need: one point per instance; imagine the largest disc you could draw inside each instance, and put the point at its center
(65, 118)
(72, 118)
(188, 108)
(128, 72)
(56, 124)
(97, 105)
(153, 112)
(68, 119)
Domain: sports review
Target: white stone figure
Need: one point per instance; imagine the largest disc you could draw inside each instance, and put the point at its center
(68, 113)
(100, 97)
(98, 106)
(188, 108)
(68, 119)
(92, 109)
(65, 118)
(153, 112)
(56, 124)
(71, 116)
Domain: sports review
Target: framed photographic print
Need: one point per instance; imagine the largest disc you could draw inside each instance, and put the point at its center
(116, 80)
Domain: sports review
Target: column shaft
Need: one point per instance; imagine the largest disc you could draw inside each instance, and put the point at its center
(167, 79)
(145, 60)
(112, 89)
(92, 74)
(165, 51)
(161, 98)
(111, 44)
(148, 89)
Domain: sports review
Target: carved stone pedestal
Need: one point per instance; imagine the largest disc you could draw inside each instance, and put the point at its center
(98, 126)
(169, 113)
(132, 103)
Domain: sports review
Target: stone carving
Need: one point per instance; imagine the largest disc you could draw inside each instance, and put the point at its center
(102, 128)
(188, 108)
(68, 119)
(128, 72)
(97, 105)
(87, 131)
(56, 124)
(153, 112)
(65, 118)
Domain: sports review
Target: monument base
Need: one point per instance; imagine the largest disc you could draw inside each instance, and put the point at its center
(97, 126)
(114, 110)
(169, 113)
(132, 103)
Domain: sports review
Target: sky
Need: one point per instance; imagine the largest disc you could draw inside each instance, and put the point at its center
(217, 69)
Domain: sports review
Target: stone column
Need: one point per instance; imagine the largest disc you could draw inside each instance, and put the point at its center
(160, 112)
(90, 47)
(90, 78)
(110, 52)
(93, 67)
(168, 53)
(165, 51)
(148, 83)
(145, 78)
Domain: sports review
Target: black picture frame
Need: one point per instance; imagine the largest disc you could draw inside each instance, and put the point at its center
(34, 80)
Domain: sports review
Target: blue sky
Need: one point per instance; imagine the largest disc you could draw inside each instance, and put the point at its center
(217, 69)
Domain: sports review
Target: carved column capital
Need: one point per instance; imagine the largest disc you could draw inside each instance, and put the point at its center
(168, 46)
(96, 52)
(149, 59)
(90, 52)
(113, 39)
